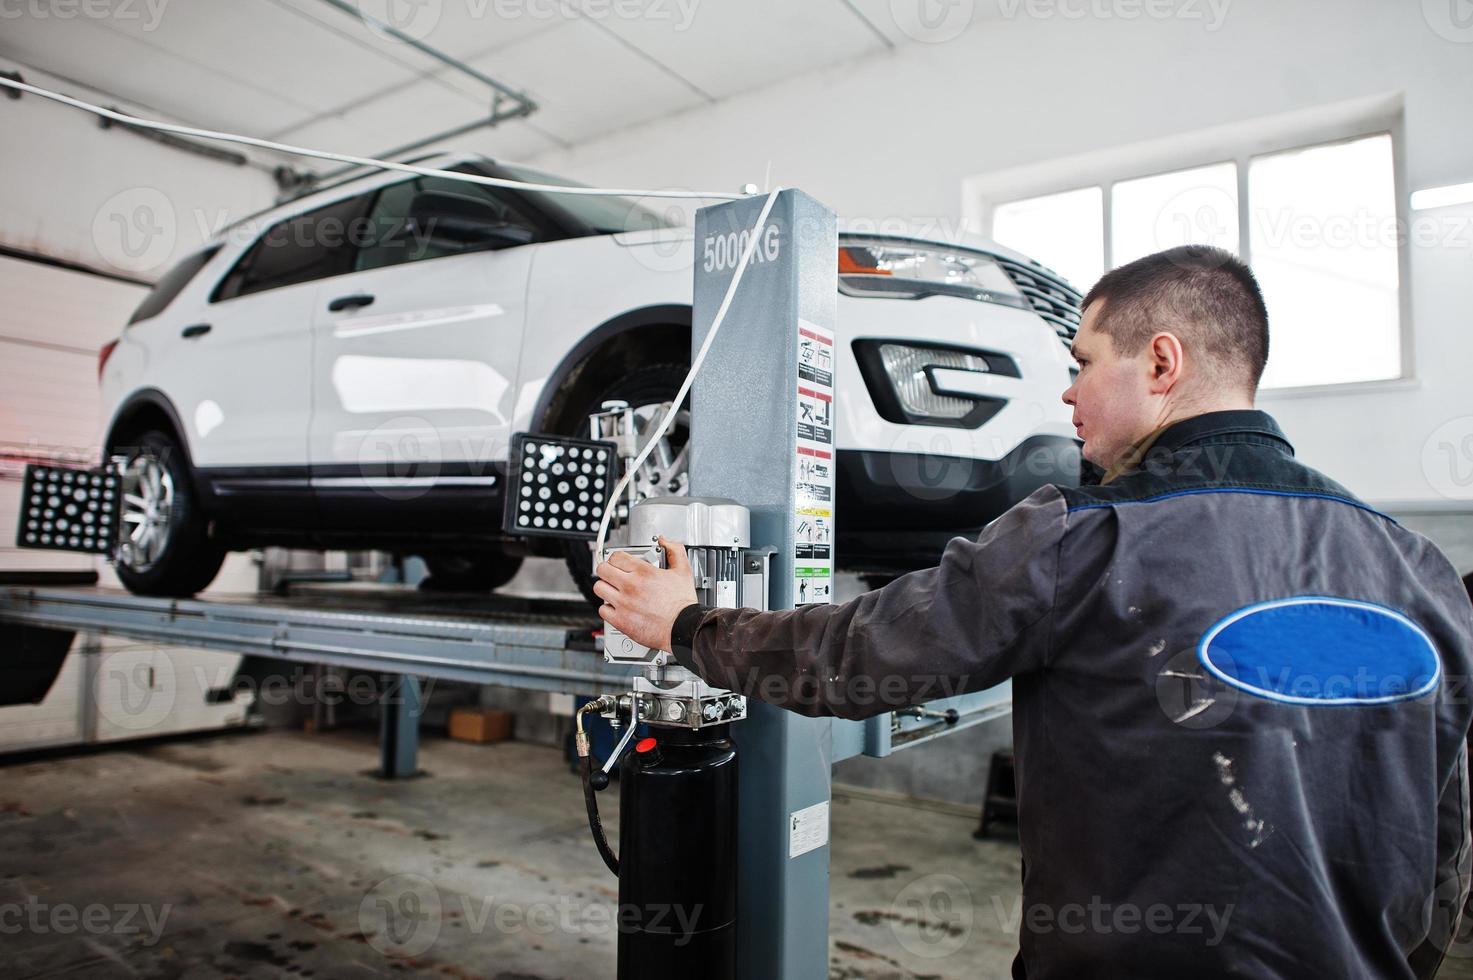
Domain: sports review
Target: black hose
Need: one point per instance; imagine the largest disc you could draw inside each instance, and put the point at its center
(594, 824)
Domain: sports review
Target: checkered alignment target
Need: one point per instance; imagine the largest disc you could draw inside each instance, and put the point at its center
(69, 510)
(559, 486)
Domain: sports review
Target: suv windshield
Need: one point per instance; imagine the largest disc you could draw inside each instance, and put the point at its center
(601, 214)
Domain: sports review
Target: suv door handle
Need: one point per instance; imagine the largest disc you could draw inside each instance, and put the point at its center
(195, 330)
(349, 302)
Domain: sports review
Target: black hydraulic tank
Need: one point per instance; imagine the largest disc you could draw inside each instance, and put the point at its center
(677, 856)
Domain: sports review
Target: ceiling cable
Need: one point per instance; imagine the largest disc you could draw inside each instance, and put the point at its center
(210, 134)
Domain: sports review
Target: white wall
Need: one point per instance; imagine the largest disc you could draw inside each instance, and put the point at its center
(893, 136)
(109, 199)
(52, 324)
(68, 190)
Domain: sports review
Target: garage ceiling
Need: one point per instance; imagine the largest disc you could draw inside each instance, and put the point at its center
(306, 72)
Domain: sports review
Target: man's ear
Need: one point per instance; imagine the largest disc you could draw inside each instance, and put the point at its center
(1167, 360)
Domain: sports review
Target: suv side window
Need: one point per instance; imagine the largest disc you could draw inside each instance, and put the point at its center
(309, 246)
(397, 235)
(171, 284)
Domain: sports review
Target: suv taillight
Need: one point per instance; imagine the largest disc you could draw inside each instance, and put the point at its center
(103, 355)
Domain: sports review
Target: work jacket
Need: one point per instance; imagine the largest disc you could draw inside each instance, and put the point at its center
(1240, 707)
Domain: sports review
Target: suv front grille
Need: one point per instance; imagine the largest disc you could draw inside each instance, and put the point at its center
(1052, 298)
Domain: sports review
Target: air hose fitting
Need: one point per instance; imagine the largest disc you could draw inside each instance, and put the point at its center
(595, 779)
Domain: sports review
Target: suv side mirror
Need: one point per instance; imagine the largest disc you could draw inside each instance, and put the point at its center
(459, 220)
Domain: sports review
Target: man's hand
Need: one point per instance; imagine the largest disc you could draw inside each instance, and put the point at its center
(642, 601)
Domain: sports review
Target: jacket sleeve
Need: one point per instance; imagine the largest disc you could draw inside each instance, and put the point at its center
(980, 617)
(1448, 902)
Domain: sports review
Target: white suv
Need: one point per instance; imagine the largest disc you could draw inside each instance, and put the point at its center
(346, 371)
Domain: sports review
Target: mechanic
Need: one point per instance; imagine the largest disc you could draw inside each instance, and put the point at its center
(1239, 703)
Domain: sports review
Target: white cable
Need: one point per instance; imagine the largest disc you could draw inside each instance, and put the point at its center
(210, 134)
(629, 471)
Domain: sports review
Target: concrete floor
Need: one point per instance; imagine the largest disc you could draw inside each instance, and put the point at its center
(274, 854)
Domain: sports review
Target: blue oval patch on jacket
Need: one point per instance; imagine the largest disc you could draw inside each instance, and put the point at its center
(1322, 650)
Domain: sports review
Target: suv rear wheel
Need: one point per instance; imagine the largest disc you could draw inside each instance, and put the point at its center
(165, 548)
(667, 472)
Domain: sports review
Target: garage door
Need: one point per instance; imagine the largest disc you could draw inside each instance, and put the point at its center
(54, 322)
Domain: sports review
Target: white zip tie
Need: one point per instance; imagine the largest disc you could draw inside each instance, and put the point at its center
(210, 134)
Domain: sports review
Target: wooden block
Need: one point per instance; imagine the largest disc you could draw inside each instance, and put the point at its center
(481, 725)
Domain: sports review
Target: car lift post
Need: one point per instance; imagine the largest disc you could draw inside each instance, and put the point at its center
(401, 704)
(746, 446)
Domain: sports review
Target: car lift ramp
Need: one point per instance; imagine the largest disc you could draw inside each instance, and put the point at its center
(529, 643)
(533, 644)
(369, 630)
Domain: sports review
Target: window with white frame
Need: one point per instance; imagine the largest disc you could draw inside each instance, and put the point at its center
(1063, 231)
(1318, 224)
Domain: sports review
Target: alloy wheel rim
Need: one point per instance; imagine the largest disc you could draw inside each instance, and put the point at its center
(148, 504)
(667, 471)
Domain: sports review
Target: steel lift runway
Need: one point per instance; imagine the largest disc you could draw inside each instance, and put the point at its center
(531, 643)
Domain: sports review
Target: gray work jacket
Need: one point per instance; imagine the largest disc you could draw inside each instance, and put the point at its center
(1239, 709)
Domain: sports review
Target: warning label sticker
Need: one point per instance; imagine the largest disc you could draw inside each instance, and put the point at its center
(812, 585)
(815, 356)
(815, 534)
(815, 475)
(808, 829)
(815, 414)
(813, 470)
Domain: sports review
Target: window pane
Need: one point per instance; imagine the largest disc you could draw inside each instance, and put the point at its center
(1066, 232)
(1324, 246)
(314, 245)
(394, 238)
(172, 284)
(1184, 207)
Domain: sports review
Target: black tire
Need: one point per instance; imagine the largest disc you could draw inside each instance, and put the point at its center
(187, 560)
(648, 385)
(469, 572)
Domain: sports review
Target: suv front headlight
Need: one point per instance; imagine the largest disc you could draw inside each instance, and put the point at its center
(878, 267)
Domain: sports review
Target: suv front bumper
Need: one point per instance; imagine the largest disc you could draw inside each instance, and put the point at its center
(896, 511)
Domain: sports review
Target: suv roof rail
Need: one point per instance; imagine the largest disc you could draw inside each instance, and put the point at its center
(307, 188)
(364, 170)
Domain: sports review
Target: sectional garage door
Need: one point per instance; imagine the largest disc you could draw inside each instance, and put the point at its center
(52, 324)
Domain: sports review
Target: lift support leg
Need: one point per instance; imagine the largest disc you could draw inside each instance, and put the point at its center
(402, 705)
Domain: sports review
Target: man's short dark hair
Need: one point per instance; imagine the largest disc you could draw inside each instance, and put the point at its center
(1205, 295)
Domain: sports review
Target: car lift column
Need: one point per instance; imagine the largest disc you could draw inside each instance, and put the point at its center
(748, 445)
(400, 704)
